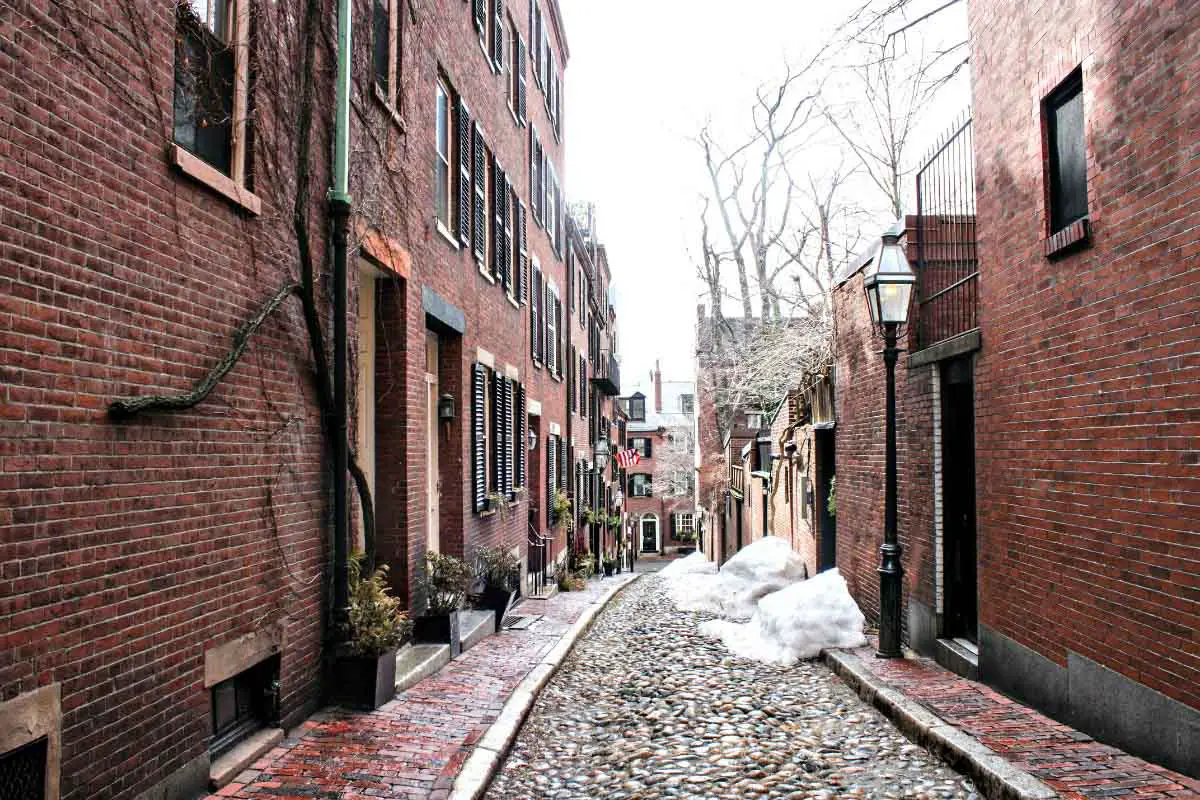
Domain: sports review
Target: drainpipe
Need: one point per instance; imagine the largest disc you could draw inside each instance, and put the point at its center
(339, 211)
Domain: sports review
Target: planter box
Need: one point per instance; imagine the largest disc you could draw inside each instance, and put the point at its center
(609, 570)
(496, 600)
(440, 629)
(364, 682)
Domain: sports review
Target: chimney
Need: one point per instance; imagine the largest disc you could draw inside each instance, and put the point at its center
(657, 388)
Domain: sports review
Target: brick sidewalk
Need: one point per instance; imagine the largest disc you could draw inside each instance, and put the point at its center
(415, 745)
(1069, 762)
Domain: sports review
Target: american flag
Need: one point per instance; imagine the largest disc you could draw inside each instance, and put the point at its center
(627, 458)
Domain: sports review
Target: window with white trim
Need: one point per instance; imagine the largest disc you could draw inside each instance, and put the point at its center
(444, 139)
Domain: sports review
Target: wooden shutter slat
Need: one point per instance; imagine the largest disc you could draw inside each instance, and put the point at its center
(523, 267)
(479, 435)
(497, 213)
(498, 33)
(509, 443)
(522, 422)
(464, 173)
(522, 88)
(479, 229)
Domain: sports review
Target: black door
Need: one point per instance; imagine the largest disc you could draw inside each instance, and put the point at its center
(826, 522)
(961, 616)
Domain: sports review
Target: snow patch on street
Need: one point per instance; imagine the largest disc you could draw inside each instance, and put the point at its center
(760, 568)
(795, 623)
(768, 611)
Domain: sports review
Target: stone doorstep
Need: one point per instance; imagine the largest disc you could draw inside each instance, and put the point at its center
(475, 626)
(995, 777)
(243, 754)
(415, 662)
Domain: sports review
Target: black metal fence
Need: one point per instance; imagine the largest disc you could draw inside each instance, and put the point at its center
(538, 560)
(947, 265)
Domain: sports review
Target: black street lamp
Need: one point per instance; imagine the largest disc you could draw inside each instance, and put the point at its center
(889, 287)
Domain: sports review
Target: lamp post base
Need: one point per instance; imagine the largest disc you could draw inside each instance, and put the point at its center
(890, 574)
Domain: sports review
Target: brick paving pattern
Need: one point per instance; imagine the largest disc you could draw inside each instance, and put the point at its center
(415, 745)
(1072, 763)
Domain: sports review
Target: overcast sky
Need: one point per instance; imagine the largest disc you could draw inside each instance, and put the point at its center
(643, 76)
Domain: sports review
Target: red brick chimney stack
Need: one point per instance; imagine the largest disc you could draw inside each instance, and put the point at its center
(657, 388)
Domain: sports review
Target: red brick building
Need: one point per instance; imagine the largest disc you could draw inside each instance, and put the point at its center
(1046, 406)
(660, 496)
(157, 569)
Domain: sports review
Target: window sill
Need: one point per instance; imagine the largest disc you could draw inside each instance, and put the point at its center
(513, 300)
(1075, 236)
(446, 234)
(200, 171)
(390, 107)
(487, 276)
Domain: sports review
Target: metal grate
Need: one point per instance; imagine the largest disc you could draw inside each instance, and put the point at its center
(23, 772)
(517, 622)
(947, 265)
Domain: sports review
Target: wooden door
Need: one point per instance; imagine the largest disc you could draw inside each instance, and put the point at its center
(432, 466)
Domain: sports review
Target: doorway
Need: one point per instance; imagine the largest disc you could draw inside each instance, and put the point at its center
(433, 489)
(825, 469)
(960, 617)
(650, 541)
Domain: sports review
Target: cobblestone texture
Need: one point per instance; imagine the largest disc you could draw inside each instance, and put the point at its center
(646, 708)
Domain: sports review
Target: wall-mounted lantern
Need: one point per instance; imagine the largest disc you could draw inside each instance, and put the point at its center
(446, 410)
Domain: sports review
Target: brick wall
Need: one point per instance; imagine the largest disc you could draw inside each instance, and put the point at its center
(131, 547)
(1086, 386)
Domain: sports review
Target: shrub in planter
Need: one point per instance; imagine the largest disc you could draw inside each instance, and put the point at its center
(610, 566)
(365, 668)
(444, 581)
(497, 573)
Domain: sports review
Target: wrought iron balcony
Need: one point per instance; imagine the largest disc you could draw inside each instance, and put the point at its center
(606, 374)
(944, 237)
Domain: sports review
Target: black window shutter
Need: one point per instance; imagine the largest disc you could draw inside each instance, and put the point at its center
(522, 234)
(464, 173)
(509, 444)
(558, 337)
(479, 434)
(520, 445)
(534, 321)
(498, 31)
(480, 17)
(497, 443)
(522, 88)
(649, 447)
(1068, 155)
(480, 206)
(497, 212)
(570, 387)
(551, 478)
(564, 469)
(540, 299)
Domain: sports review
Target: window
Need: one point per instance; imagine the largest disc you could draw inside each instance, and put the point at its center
(687, 404)
(685, 526)
(511, 247)
(515, 82)
(482, 225)
(498, 433)
(642, 446)
(639, 485)
(386, 52)
(244, 704)
(1067, 160)
(754, 421)
(489, 23)
(637, 408)
(444, 136)
(551, 312)
(211, 95)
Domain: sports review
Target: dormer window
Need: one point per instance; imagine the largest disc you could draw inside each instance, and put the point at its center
(637, 407)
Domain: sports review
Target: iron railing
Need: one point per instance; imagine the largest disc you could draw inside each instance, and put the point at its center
(537, 561)
(606, 374)
(947, 264)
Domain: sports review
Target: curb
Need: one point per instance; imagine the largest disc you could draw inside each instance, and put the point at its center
(477, 773)
(996, 778)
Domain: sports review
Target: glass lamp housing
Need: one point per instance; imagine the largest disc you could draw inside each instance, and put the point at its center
(889, 286)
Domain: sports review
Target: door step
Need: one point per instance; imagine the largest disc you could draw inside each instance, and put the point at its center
(960, 656)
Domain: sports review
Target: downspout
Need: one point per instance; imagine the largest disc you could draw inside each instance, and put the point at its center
(339, 211)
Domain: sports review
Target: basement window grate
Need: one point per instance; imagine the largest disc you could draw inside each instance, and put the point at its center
(23, 771)
(243, 704)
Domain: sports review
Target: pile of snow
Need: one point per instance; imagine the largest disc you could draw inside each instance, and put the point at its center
(759, 569)
(795, 623)
(696, 563)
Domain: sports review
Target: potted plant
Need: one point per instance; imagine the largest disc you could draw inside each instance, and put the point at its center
(610, 566)
(444, 581)
(561, 511)
(366, 666)
(497, 572)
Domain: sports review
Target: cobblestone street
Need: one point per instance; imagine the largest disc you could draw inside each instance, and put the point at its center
(646, 707)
